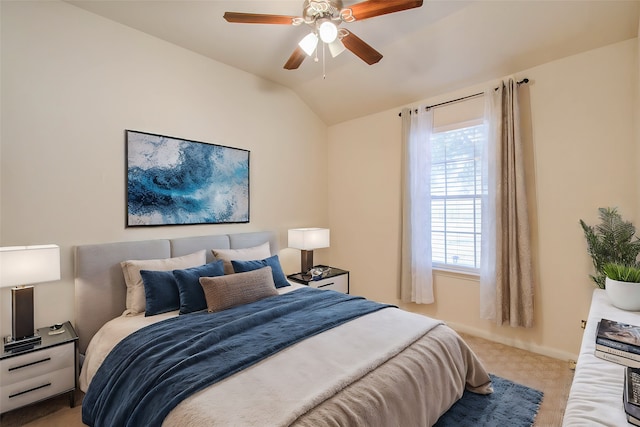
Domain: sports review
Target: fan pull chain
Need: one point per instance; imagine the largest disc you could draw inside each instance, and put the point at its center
(324, 73)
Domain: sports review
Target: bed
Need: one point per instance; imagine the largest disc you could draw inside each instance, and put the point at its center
(381, 367)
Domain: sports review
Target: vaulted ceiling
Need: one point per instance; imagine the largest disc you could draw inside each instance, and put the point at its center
(437, 48)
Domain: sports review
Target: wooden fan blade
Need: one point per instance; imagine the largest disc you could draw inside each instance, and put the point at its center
(295, 59)
(371, 8)
(258, 18)
(361, 49)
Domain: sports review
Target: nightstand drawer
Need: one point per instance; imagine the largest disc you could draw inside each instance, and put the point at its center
(337, 283)
(37, 388)
(31, 365)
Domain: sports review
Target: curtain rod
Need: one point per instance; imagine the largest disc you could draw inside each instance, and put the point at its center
(525, 81)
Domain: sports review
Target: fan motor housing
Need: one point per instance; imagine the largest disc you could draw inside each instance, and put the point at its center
(316, 9)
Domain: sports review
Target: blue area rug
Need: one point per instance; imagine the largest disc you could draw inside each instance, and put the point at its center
(510, 404)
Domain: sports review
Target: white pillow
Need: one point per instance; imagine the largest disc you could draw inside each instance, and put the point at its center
(247, 254)
(136, 302)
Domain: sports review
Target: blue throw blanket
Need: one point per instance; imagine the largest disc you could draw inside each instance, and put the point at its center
(151, 371)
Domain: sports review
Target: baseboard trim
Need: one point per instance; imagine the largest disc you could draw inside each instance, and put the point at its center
(523, 345)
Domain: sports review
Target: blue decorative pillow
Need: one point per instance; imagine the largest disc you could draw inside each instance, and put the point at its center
(160, 291)
(188, 285)
(279, 279)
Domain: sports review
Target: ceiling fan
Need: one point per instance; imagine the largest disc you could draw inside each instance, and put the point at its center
(324, 17)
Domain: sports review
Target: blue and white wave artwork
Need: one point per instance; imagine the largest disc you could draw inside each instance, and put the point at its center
(172, 181)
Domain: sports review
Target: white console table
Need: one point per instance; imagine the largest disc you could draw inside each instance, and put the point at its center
(595, 398)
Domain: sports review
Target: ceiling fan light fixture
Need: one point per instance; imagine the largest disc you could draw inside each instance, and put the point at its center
(309, 43)
(336, 48)
(328, 31)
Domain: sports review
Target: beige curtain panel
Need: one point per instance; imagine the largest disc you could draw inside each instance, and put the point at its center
(512, 278)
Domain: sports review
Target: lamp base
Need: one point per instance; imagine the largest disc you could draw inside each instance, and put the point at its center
(10, 344)
(22, 312)
(306, 261)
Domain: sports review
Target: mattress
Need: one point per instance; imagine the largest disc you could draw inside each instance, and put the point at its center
(387, 368)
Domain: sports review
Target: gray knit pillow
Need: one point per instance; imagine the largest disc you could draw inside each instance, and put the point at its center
(223, 292)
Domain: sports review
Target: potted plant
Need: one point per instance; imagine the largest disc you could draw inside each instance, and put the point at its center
(614, 248)
(611, 241)
(623, 285)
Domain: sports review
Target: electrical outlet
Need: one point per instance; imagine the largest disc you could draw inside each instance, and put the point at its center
(572, 364)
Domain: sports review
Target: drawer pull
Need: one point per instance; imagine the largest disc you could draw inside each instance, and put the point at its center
(30, 390)
(324, 286)
(29, 364)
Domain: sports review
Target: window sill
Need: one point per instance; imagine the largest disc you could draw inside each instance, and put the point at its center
(457, 274)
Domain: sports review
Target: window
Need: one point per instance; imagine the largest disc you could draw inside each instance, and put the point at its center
(456, 192)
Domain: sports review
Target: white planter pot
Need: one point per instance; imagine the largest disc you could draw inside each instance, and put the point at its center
(623, 295)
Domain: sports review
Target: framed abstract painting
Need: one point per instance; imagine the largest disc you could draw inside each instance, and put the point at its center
(174, 181)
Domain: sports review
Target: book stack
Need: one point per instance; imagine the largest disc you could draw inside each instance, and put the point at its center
(618, 342)
(632, 395)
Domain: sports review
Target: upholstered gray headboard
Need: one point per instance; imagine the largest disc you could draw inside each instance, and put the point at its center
(99, 283)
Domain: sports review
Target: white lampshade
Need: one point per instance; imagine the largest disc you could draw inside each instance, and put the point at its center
(309, 238)
(309, 43)
(24, 265)
(336, 48)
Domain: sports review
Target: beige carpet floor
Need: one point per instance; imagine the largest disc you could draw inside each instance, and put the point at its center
(551, 376)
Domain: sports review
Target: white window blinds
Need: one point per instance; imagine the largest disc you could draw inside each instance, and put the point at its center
(456, 191)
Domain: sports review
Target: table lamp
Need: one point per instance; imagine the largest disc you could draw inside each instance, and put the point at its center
(21, 266)
(308, 239)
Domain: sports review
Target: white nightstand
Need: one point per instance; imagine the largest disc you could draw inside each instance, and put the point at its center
(29, 375)
(336, 279)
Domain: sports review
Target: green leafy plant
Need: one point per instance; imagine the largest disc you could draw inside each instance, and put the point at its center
(613, 241)
(622, 273)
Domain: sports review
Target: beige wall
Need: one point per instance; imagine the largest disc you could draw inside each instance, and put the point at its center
(72, 82)
(582, 156)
